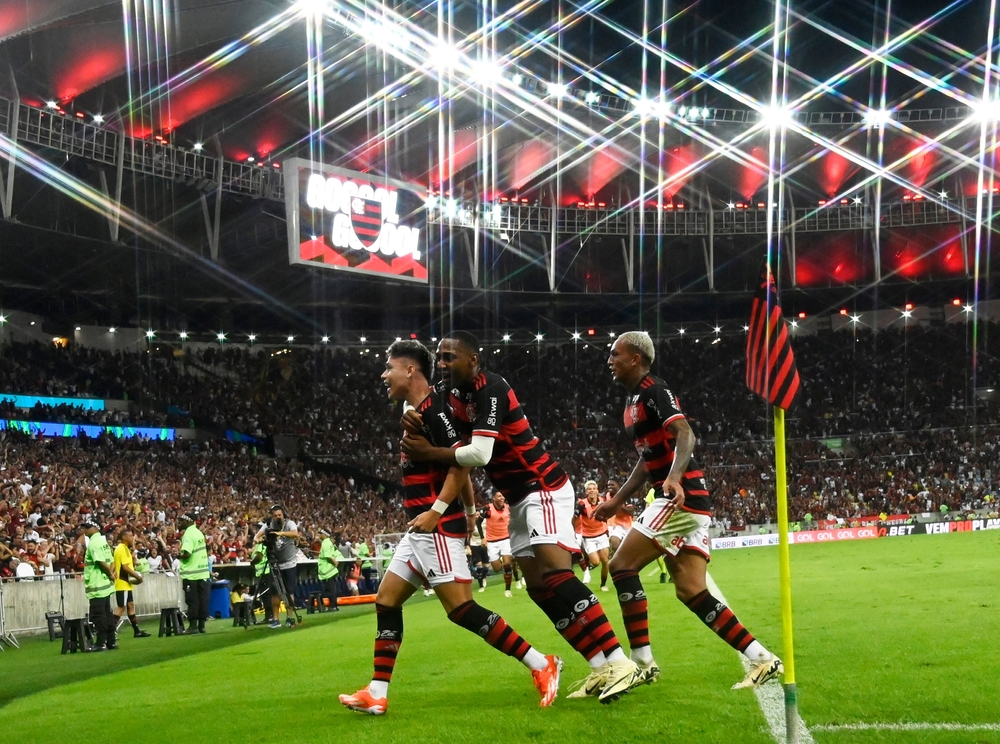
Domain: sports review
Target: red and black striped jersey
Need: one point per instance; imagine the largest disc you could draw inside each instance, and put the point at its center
(649, 411)
(520, 465)
(423, 481)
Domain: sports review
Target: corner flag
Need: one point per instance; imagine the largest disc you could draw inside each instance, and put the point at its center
(771, 371)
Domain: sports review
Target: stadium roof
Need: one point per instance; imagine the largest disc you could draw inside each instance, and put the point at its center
(556, 102)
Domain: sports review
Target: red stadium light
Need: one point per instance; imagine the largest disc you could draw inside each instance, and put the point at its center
(591, 331)
(802, 315)
(668, 206)
(601, 204)
(504, 199)
(741, 205)
(524, 201)
(80, 114)
(845, 201)
(908, 306)
(843, 311)
(761, 205)
(956, 302)
(581, 205)
(413, 335)
(822, 202)
(917, 197)
(906, 197)
(680, 206)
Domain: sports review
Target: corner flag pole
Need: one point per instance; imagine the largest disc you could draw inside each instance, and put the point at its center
(785, 579)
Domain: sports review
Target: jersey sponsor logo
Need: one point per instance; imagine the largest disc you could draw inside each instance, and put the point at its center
(534, 533)
(492, 418)
(447, 425)
(431, 574)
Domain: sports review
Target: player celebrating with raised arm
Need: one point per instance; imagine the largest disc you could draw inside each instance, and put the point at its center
(434, 548)
(594, 531)
(675, 523)
(541, 502)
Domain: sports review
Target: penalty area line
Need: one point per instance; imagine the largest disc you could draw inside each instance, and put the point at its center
(925, 726)
(770, 697)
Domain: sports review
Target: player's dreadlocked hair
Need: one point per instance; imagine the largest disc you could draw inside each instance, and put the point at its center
(416, 352)
(466, 339)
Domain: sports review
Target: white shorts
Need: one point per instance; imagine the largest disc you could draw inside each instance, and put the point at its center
(497, 549)
(595, 544)
(618, 532)
(434, 558)
(543, 518)
(671, 533)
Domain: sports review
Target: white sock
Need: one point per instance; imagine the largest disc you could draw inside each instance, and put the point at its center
(378, 688)
(642, 655)
(534, 660)
(598, 660)
(756, 652)
(617, 655)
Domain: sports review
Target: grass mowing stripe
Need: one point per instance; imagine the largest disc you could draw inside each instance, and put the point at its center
(770, 697)
(908, 727)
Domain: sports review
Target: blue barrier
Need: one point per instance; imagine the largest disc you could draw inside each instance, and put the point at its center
(29, 401)
(45, 429)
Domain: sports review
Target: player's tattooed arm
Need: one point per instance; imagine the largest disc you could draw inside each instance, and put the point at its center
(683, 449)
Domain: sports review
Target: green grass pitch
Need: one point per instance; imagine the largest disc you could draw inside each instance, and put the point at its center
(887, 631)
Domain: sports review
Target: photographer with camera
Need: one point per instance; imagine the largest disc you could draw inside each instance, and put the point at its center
(195, 576)
(278, 537)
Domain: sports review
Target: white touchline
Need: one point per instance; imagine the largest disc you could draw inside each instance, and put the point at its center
(770, 697)
(907, 727)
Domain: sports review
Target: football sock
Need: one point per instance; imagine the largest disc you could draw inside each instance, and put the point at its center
(135, 621)
(720, 619)
(561, 616)
(508, 574)
(589, 628)
(632, 598)
(387, 642)
(495, 631)
(756, 651)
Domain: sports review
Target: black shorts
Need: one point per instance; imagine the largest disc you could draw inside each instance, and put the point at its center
(291, 578)
(123, 597)
(479, 555)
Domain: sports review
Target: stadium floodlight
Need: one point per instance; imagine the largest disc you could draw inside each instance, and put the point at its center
(517, 78)
(150, 334)
(3, 319)
(705, 113)
(51, 105)
(290, 338)
(857, 200)
(643, 107)
(431, 202)
(943, 194)
(907, 313)
(111, 329)
(486, 72)
(450, 208)
(250, 158)
(197, 147)
(776, 116)
(986, 110)
(220, 337)
(682, 331)
(877, 117)
(576, 335)
(363, 339)
(718, 329)
(967, 308)
(611, 334)
(398, 338)
(98, 118)
(538, 337)
(313, 8)
(443, 56)
(795, 324)
(506, 337)
(746, 328)
(557, 90)
(251, 337)
(326, 339)
(183, 335)
(682, 111)
(855, 318)
(592, 97)
(730, 205)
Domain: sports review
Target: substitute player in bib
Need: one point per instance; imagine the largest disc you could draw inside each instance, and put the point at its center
(675, 523)
(541, 502)
(434, 548)
(595, 532)
(495, 518)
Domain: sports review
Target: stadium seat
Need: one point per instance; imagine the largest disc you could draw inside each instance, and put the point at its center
(77, 636)
(171, 622)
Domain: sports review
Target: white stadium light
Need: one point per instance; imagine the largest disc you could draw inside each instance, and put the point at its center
(776, 116)
(517, 78)
(538, 337)
(592, 97)
(363, 339)
(291, 338)
(557, 90)
(220, 337)
(718, 329)
(252, 337)
(877, 117)
(682, 331)
(576, 335)
(326, 339)
(98, 118)
(443, 56)
(986, 110)
(486, 72)
(967, 308)
(506, 337)
(197, 147)
(111, 329)
(855, 318)
(51, 105)
(150, 333)
(184, 335)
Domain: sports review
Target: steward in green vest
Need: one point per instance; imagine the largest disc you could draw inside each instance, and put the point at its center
(329, 568)
(99, 583)
(195, 576)
(258, 559)
(364, 552)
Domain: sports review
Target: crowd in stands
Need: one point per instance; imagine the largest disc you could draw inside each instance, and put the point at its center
(889, 422)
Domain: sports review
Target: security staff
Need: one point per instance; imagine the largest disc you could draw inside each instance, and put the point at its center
(258, 559)
(329, 558)
(99, 583)
(195, 576)
(364, 553)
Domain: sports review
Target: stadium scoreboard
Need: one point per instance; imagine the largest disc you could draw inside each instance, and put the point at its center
(349, 221)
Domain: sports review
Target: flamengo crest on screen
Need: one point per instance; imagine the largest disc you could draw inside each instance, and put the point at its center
(365, 218)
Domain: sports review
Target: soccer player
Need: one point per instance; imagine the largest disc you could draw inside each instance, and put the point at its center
(496, 519)
(676, 523)
(620, 523)
(541, 502)
(126, 576)
(594, 531)
(434, 548)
